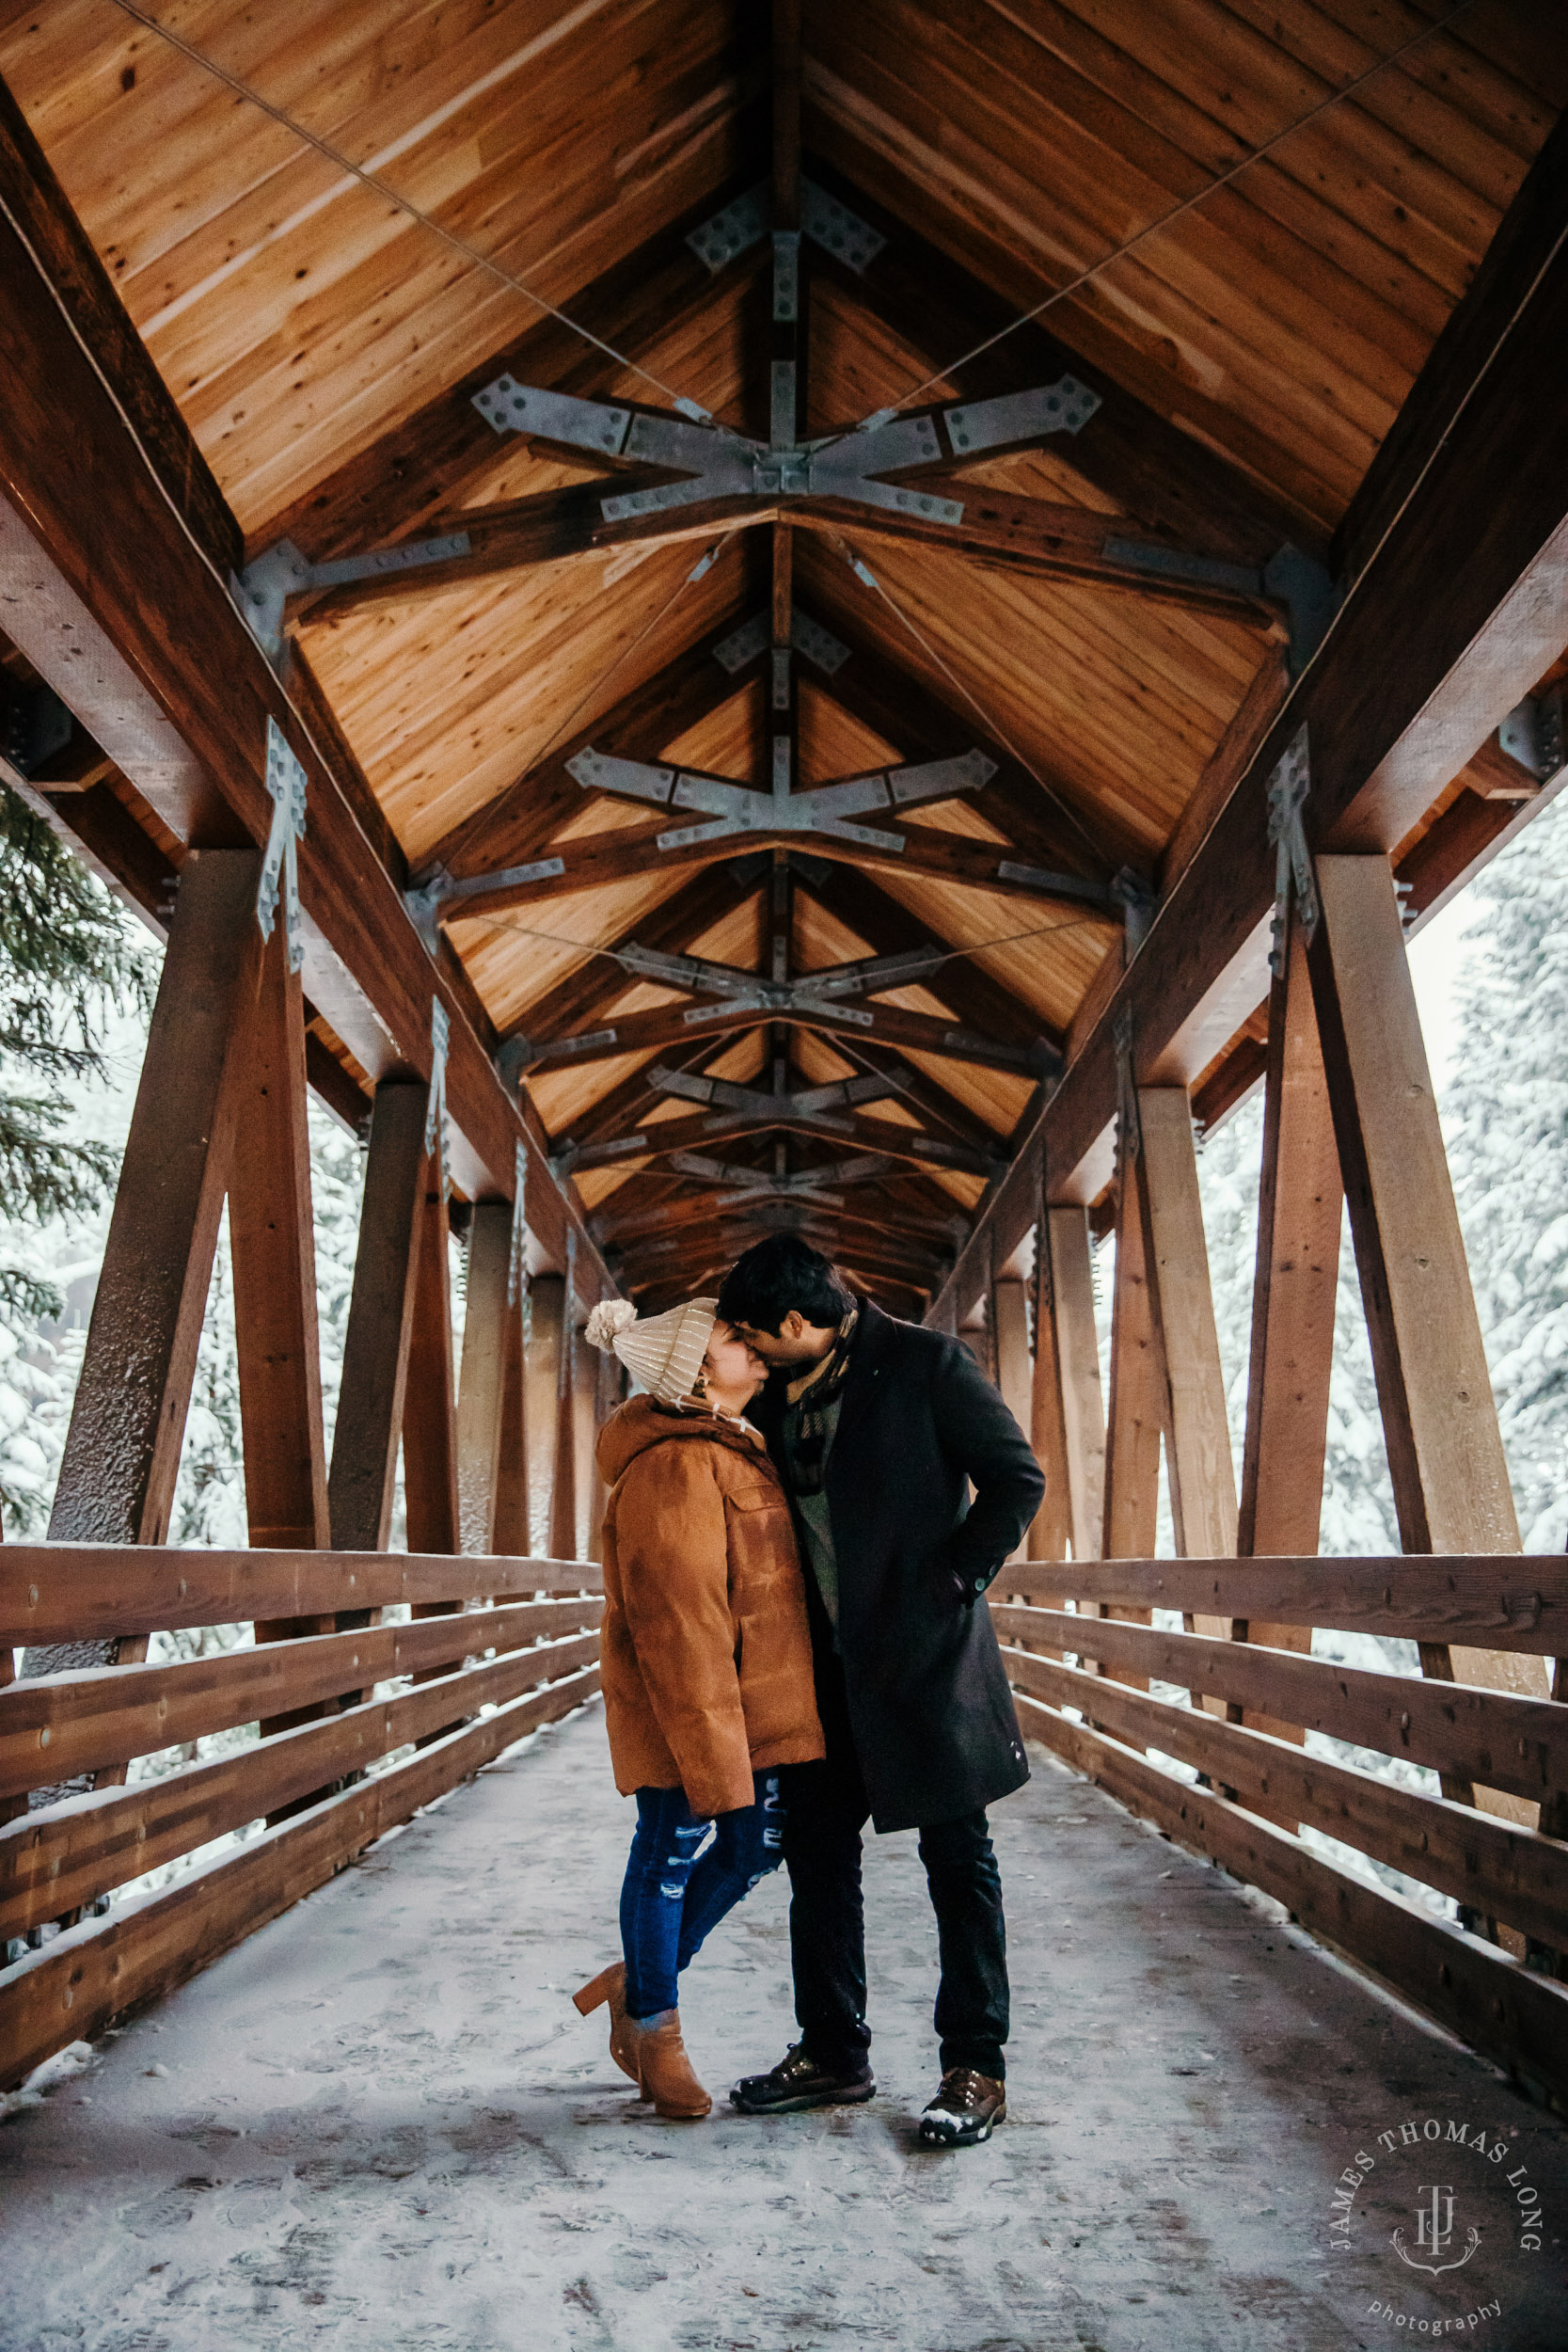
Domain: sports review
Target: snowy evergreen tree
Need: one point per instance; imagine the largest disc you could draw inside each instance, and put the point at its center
(1505, 1116)
(70, 964)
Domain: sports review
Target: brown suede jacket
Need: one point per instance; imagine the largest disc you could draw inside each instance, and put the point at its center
(706, 1651)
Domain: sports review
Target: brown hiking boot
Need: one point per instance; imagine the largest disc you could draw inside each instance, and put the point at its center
(964, 2109)
(664, 2069)
(611, 1985)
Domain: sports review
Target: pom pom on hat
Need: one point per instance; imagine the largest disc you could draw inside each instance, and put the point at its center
(664, 1352)
(610, 1318)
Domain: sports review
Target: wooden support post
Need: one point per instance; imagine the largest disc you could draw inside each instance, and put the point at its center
(1198, 1465)
(1077, 1358)
(1139, 1400)
(380, 1318)
(1440, 1422)
(563, 1483)
(272, 1249)
(588, 1365)
(428, 1414)
(1300, 1205)
(542, 1383)
(1137, 1389)
(1009, 1318)
(488, 1325)
(512, 1534)
(1050, 1536)
(1299, 1215)
(1198, 1462)
(128, 1421)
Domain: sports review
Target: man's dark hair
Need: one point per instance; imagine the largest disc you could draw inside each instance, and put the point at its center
(779, 1274)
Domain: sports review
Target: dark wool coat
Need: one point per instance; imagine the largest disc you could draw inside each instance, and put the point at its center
(934, 1727)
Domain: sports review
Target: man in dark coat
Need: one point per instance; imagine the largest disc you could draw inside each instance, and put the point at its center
(880, 1428)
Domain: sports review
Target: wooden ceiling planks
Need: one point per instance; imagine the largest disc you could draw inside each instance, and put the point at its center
(313, 333)
(273, 294)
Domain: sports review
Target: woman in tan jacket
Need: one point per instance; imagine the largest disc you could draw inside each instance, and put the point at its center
(706, 1666)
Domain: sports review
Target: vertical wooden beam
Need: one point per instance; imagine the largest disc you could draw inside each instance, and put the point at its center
(1050, 1536)
(512, 1534)
(380, 1317)
(588, 1365)
(122, 1449)
(429, 1413)
(786, 113)
(1077, 1350)
(1299, 1217)
(489, 1326)
(1198, 1461)
(1300, 1203)
(1137, 1389)
(272, 1247)
(542, 1382)
(1010, 1311)
(1139, 1401)
(1446, 1457)
(272, 1251)
(563, 1483)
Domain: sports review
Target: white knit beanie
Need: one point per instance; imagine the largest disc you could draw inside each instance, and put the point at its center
(664, 1352)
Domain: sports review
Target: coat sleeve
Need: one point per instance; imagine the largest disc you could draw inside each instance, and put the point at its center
(976, 1431)
(673, 1549)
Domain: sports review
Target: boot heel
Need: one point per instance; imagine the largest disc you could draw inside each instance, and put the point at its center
(594, 1993)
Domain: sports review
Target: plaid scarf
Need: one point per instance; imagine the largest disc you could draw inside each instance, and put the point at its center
(814, 1392)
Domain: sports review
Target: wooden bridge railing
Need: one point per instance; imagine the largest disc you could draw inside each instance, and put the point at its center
(515, 1644)
(1495, 1981)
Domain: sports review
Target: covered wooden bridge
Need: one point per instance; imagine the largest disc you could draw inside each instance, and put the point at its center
(704, 622)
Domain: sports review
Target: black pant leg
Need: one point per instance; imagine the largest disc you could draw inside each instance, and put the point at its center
(971, 1941)
(826, 1809)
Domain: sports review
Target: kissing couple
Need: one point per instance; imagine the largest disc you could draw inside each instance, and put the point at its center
(781, 1706)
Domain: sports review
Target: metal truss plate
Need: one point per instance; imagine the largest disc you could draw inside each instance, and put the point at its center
(873, 974)
(1206, 571)
(883, 449)
(745, 644)
(513, 407)
(939, 779)
(786, 276)
(339, 570)
(924, 504)
(1065, 407)
(705, 449)
(818, 644)
(1532, 734)
(632, 779)
(1053, 885)
(733, 231)
(837, 229)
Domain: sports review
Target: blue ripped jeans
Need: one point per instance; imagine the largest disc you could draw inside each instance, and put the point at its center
(673, 1894)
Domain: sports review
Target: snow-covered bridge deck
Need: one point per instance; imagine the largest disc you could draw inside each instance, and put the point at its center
(379, 2122)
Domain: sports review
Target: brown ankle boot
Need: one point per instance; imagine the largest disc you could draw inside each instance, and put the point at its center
(611, 1985)
(664, 2069)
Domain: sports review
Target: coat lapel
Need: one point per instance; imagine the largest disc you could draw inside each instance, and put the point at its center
(865, 1365)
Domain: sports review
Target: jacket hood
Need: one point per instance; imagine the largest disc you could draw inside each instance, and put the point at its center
(644, 1423)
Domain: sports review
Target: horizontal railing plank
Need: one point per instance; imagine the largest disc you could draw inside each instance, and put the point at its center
(67, 1854)
(1505, 1601)
(1505, 1872)
(82, 1982)
(1480, 1992)
(1490, 1736)
(93, 1592)
(54, 1726)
